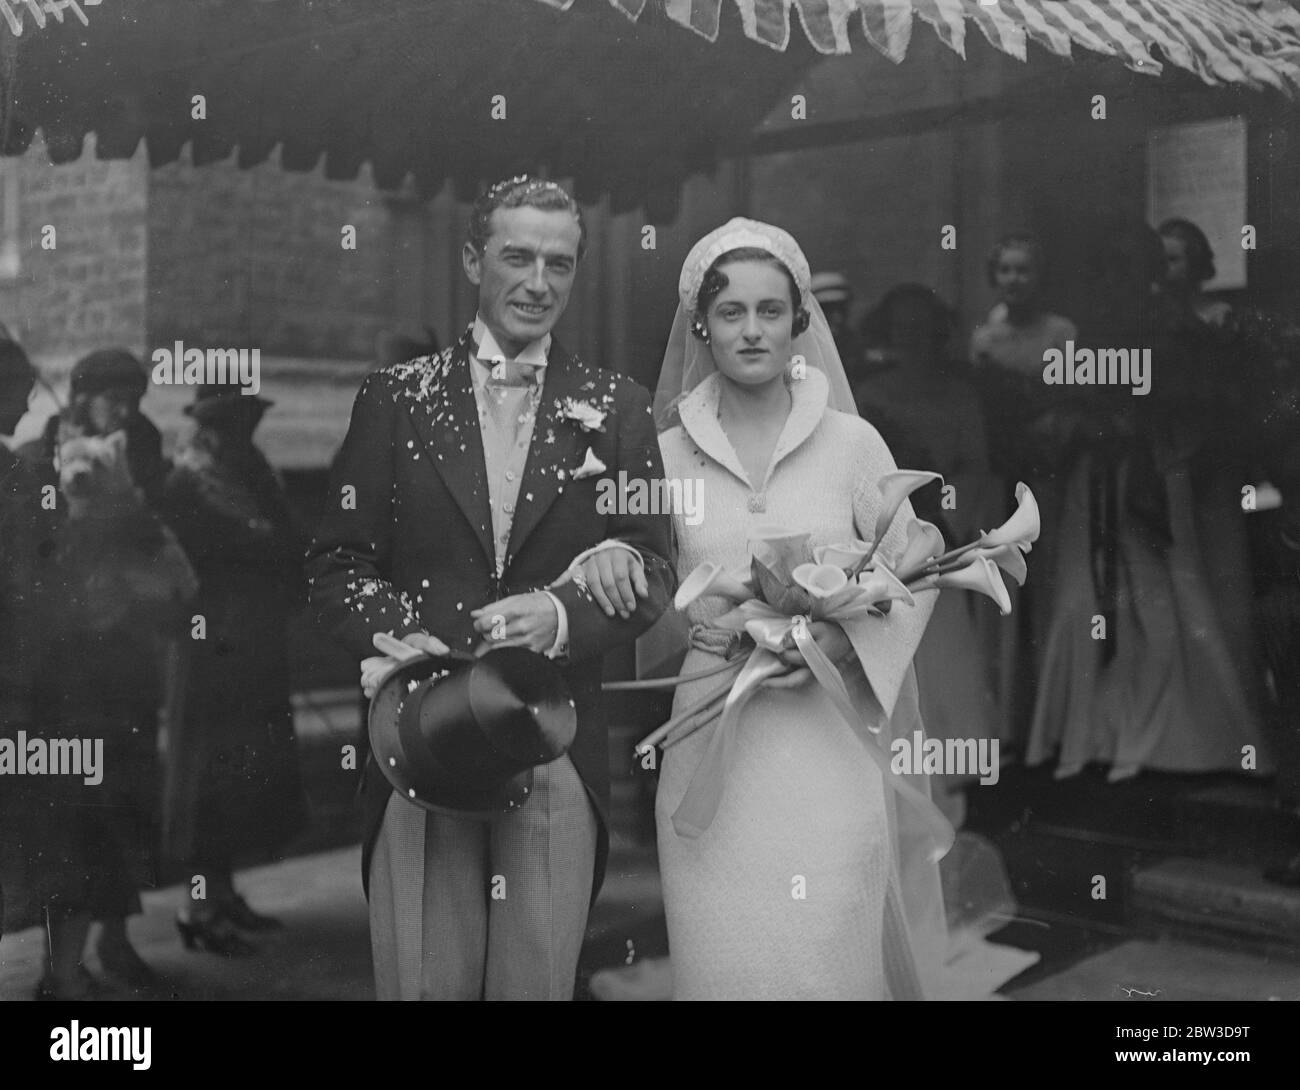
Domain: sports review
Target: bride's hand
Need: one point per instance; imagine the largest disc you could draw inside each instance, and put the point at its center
(615, 578)
(829, 637)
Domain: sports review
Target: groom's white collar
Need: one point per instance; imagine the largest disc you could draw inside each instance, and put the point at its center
(698, 412)
(534, 353)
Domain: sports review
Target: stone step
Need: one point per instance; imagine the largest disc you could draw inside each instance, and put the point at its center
(1059, 836)
(1148, 809)
(1058, 869)
(1239, 821)
(1216, 901)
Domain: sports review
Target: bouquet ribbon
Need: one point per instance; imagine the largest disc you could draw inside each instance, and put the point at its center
(770, 627)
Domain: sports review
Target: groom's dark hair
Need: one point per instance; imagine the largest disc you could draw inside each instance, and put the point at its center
(522, 191)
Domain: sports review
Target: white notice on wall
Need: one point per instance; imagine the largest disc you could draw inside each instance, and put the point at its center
(1197, 172)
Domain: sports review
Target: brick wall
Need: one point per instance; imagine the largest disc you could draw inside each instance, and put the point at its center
(254, 258)
(89, 291)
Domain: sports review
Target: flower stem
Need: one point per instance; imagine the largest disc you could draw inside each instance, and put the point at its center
(701, 718)
(664, 682)
(953, 554)
(936, 564)
(656, 736)
(863, 562)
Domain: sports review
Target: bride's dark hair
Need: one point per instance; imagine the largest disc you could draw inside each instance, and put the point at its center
(715, 280)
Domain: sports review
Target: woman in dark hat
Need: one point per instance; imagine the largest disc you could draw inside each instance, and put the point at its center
(104, 394)
(233, 785)
(111, 612)
(96, 592)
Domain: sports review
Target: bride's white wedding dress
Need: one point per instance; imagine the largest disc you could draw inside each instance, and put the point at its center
(785, 893)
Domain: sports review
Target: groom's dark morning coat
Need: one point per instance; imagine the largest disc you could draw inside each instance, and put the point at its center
(414, 550)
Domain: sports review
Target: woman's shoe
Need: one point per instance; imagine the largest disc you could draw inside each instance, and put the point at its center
(216, 936)
(243, 917)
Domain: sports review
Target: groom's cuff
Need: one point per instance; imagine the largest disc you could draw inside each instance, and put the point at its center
(560, 647)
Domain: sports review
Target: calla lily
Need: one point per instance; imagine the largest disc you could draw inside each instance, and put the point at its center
(895, 488)
(980, 575)
(785, 596)
(820, 580)
(1022, 527)
(924, 542)
(1009, 558)
(843, 555)
(711, 578)
(769, 632)
(882, 585)
(780, 550)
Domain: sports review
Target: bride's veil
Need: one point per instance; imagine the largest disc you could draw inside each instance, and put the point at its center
(688, 361)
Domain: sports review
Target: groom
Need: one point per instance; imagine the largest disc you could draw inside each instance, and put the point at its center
(466, 485)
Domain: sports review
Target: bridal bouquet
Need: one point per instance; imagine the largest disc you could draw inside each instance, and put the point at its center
(788, 585)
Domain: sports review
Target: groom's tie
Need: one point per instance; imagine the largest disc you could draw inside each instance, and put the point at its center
(502, 372)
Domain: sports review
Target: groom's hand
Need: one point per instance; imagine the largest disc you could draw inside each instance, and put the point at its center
(377, 667)
(522, 620)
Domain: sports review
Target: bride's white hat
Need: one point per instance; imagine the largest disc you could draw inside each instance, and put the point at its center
(736, 234)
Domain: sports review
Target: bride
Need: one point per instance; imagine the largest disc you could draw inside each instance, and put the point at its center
(813, 880)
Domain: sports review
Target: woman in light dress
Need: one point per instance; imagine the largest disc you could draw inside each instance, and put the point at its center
(814, 879)
(1006, 353)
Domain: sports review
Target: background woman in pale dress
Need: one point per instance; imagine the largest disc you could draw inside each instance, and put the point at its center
(809, 882)
(1022, 412)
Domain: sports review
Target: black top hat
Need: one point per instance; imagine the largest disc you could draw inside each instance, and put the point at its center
(460, 735)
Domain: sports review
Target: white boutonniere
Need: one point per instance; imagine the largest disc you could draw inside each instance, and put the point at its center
(591, 465)
(584, 414)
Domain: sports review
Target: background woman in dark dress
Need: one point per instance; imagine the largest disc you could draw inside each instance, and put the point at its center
(111, 606)
(924, 405)
(233, 785)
